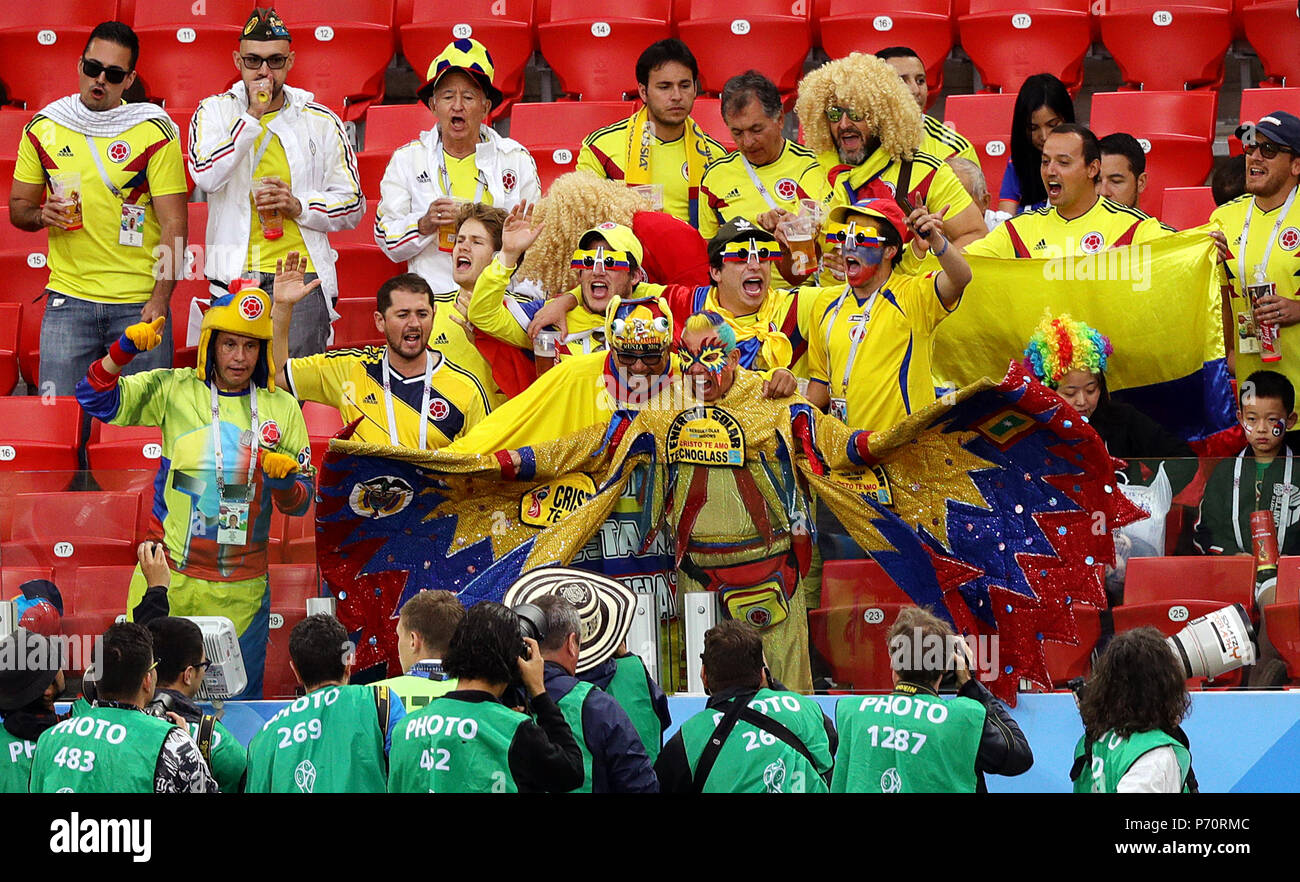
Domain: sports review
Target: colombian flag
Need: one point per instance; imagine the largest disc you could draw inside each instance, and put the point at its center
(1159, 303)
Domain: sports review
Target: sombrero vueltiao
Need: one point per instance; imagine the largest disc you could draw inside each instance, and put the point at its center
(604, 605)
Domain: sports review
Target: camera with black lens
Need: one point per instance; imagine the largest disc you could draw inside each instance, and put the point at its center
(532, 623)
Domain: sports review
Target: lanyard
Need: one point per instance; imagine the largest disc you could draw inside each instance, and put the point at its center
(1236, 500)
(216, 441)
(424, 406)
(854, 341)
(99, 164)
(266, 145)
(1245, 236)
(753, 177)
(445, 180)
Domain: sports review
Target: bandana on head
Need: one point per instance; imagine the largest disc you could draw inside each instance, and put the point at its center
(265, 24)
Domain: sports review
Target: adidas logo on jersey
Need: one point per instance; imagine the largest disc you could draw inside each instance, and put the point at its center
(370, 399)
(422, 178)
(441, 338)
(66, 151)
(734, 194)
(1040, 245)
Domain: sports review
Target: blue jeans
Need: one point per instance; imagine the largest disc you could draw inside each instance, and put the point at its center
(76, 332)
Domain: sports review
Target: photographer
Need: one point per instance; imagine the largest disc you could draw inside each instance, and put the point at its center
(115, 747)
(178, 647)
(336, 737)
(467, 741)
(1131, 709)
(913, 741)
(27, 695)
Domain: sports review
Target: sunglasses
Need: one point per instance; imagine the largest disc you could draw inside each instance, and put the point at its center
(740, 252)
(611, 260)
(253, 62)
(835, 114)
(1268, 151)
(202, 666)
(850, 235)
(650, 360)
(92, 68)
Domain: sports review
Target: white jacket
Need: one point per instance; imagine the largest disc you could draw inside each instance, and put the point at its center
(411, 184)
(322, 170)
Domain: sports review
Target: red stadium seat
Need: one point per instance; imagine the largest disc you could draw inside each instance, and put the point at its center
(505, 27)
(1064, 663)
(1220, 579)
(24, 277)
(921, 25)
(355, 326)
(553, 131)
(10, 320)
(1010, 40)
(362, 269)
(1170, 617)
(293, 584)
(123, 457)
(14, 241)
(1260, 102)
(39, 434)
(292, 540)
(1186, 207)
(364, 232)
(1282, 618)
(342, 50)
(708, 113)
(11, 578)
(763, 34)
(855, 582)
(1160, 45)
(594, 54)
(985, 121)
(41, 44)
(1175, 128)
(12, 123)
(853, 641)
(323, 422)
(185, 57)
(68, 531)
(278, 680)
(1273, 28)
(389, 126)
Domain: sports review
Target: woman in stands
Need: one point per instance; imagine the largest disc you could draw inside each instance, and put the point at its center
(1131, 708)
(1041, 105)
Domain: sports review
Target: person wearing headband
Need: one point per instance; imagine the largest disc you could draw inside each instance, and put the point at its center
(280, 175)
(460, 159)
(115, 211)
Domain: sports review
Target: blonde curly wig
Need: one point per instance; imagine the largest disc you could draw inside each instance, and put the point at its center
(866, 84)
(575, 203)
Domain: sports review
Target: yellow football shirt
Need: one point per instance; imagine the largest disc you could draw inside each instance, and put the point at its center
(887, 376)
(353, 381)
(463, 176)
(450, 339)
(1283, 270)
(604, 152)
(942, 142)
(144, 162)
(727, 191)
(1044, 233)
(263, 252)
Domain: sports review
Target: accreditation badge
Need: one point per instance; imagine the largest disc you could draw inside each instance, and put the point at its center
(706, 436)
(232, 522)
(840, 409)
(131, 226)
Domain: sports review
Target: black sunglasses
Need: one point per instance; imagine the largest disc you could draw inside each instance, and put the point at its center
(274, 62)
(652, 360)
(1266, 149)
(203, 665)
(92, 68)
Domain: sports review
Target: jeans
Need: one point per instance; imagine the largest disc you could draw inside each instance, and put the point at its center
(75, 333)
(310, 328)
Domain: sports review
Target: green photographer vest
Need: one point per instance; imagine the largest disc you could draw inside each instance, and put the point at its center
(1112, 755)
(225, 755)
(630, 689)
(15, 762)
(328, 741)
(455, 746)
(105, 750)
(571, 706)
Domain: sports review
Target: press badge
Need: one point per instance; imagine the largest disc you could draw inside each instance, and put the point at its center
(132, 226)
(840, 409)
(232, 522)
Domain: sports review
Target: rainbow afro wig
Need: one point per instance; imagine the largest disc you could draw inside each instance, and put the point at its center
(1060, 345)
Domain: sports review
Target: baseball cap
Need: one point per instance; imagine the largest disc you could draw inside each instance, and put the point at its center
(469, 56)
(884, 209)
(617, 236)
(734, 230)
(1280, 127)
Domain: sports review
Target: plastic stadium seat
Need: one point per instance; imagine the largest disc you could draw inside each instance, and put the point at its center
(278, 680)
(292, 540)
(10, 319)
(1282, 618)
(13, 577)
(1273, 28)
(853, 641)
(14, 241)
(1010, 40)
(40, 434)
(708, 113)
(342, 48)
(100, 589)
(185, 57)
(1160, 45)
(553, 131)
(1170, 617)
(12, 123)
(1064, 663)
(1259, 102)
(1175, 128)
(123, 457)
(41, 44)
(364, 232)
(594, 53)
(24, 278)
(857, 582)
(68, 531)
(505, 27)
(1186, 207)
(985, 121)
(323, 422)
(293, 584)
(921, 25)
(761, 34)
(362, 269)
(389, 126)
(355, 326)
(1221, 579)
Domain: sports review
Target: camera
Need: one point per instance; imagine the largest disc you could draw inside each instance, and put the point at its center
(532, 623)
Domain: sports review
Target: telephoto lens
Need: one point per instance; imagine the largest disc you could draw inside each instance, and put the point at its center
(1216, 643)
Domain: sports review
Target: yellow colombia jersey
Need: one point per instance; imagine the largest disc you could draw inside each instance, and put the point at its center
(1283, 270)
(450, 339)
(942, 142)
(1044, 233)
(462, 174)
(890, 374)
(728, 192)
(605, 153)
(264, 252)
(143, 162)
(932, 183)
(353, 381)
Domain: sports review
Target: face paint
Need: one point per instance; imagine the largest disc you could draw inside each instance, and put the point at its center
(712, 356)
